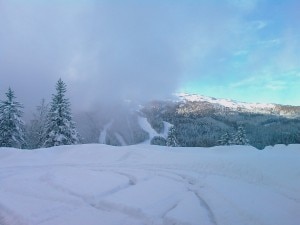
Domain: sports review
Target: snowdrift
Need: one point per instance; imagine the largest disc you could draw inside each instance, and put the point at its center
(142, 184)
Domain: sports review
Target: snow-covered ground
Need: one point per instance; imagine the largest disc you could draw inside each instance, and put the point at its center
(142, 184)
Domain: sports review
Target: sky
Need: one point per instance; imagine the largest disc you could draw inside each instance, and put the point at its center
(111, 50)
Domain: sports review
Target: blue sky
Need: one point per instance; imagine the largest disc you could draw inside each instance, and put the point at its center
(246, 50)
(261, 60)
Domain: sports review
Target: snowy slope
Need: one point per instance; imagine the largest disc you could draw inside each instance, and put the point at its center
(103, 133)
(146, 126)
(224, 102)
(143, 184)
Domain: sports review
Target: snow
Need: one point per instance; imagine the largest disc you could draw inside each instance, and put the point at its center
(236, 105)
(146, 126)
(102, 136)
(142, 184)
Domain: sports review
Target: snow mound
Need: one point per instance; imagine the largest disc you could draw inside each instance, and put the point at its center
(143, 184)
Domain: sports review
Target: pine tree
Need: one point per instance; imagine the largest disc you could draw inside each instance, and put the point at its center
(240, 137)
(225, 139)
(11, 124)
(36, 130)
(60, 126)
(171, 139)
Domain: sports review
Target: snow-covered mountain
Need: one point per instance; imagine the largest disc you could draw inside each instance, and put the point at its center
(199, 121)
(274, 109)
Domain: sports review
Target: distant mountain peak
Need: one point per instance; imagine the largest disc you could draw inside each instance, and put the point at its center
(263, 108)
(222, 101)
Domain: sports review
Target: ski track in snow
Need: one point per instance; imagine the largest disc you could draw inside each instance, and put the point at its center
(7, 217)
(129, 186)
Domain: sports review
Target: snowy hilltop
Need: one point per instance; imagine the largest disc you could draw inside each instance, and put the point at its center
(143, 184)
(258, 108)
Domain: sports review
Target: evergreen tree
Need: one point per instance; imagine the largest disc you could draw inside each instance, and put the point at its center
(11, 124)
(240, 137)
(225, 139)
(36, 130)
(60, 126)
(171, 139)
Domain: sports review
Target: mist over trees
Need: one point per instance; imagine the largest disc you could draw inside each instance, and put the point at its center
(36, 128)
(185, 124)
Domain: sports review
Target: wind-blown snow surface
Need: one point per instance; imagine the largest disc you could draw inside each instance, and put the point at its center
(135, 185)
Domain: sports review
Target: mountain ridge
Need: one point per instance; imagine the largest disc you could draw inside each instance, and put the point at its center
(199, 121)
(289, 111)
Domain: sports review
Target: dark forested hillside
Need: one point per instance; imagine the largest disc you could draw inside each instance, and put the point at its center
(200, 121)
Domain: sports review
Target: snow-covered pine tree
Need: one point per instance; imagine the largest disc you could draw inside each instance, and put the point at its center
(11, 123)
(36, 129)
(60, 126)
(225, 139)
(240, 137)
(171, 139)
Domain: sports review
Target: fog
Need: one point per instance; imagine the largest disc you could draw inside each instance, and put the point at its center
(108, 51)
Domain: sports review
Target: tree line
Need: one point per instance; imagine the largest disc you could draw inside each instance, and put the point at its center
(203, 124)
(52, 125)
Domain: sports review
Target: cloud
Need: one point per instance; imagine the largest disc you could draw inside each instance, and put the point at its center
(107, 51)
(277, 85)
(244, 5)
(270, 80)
(257, 25)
